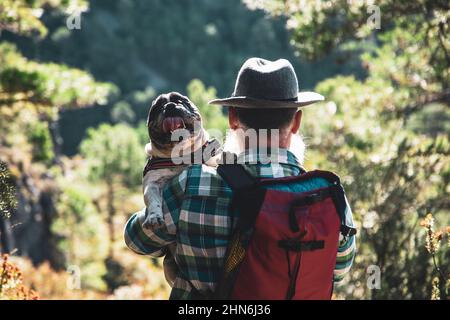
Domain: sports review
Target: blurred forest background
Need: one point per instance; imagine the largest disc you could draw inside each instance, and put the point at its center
(73, 104)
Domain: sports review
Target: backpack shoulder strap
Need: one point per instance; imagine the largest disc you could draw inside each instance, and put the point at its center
(236, 176)
(248, 195)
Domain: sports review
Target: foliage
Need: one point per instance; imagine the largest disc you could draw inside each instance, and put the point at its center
(436, 247)
(122, 112)
(168, 43)
(113, 153)
(46, 85)
(115, 158)
(32, 91)
(147, 281)
(23, 16)
(39, 137)
(161, 45)
(142, 133)
(212, 116)
(319, 26)
(7, 192)
(32, 94)
(394, 170)
(11, 282)
(82, 244)
(160, 39)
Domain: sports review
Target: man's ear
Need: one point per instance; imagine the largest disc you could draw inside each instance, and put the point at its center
(296, 122)
(233, 121)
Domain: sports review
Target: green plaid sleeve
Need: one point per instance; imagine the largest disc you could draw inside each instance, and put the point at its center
(346, 250)
(146, 241)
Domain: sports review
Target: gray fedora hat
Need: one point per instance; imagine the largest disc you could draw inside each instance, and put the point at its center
(268, 84)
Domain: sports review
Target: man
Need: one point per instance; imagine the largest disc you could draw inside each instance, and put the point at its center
(197, 209)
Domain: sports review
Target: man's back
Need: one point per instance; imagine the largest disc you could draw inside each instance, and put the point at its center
(199, 220)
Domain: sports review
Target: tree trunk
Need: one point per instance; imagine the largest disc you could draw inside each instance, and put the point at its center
(53, 126)
(6, 238)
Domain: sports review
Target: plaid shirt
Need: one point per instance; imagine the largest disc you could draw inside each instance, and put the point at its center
(198, 219)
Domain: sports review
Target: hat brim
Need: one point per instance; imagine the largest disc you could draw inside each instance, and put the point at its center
(303, 99)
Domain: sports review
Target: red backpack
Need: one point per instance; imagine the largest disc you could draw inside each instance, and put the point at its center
(284, 244)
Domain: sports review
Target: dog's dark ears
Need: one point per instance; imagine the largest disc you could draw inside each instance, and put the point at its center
(161, 100)
(177, 97)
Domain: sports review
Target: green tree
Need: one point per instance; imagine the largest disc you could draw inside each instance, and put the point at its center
(8, 203)
(7, 192)
(395, 167)
(31, 91)
(162, 53)
(32, 94)
(83, 243)
(115, 158)
(212, 116)
(167, 42)
(122, 113)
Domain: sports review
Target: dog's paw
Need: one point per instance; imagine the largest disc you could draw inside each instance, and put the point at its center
(154, 220)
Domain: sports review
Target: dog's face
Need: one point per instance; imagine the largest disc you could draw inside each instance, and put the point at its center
(168, 113)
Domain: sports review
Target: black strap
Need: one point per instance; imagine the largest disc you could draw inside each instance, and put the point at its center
(297, 245)
(236, 176)
(338, 196)
(293, 276)
(210, 149)
(248, 196)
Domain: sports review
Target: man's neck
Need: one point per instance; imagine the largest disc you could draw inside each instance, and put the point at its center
(235, 143)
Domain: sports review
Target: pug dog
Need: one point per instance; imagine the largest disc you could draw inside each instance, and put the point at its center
(174, 124)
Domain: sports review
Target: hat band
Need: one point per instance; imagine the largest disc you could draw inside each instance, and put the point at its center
(281, 100)
(288, 100)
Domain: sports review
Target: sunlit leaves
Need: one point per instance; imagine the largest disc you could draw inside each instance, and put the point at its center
(212, 116)
(12, 283)
(8, 200)
(84, 242)
(114, 152)
(23, 16)
(46, 83)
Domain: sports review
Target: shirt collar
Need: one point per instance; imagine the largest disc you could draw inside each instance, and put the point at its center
(268, 156)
